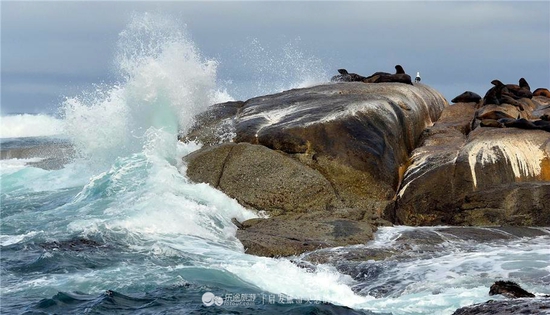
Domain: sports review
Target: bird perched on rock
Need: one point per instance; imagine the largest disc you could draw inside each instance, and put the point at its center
(417, 79)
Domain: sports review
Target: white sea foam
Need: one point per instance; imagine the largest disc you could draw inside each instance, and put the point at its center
(141, 199)
(6, 240)
(27, 125)
(10, 166)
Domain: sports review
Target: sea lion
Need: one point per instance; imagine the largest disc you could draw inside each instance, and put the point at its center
(399, 69)
(345, 76)
(467, 97)
(519, 91)
(542, 124)
(506, 99)
(542, 92)
(491, 123)
(500, 94)
(523, 84)
(399, 78)
(493, 94)
(521, 123)
(381, 77)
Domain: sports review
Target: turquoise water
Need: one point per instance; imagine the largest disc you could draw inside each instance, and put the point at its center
(119, 229)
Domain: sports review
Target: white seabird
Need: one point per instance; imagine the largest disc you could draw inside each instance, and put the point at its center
(417, 79)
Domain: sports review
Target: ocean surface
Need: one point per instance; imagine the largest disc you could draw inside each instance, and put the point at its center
(98, 217)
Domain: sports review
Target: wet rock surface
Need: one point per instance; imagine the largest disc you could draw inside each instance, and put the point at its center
(398, 262)
(320, 149)
(538, 306)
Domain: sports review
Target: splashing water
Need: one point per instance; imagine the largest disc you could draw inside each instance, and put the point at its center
(164, 83)
(276, 69)
(124, 217)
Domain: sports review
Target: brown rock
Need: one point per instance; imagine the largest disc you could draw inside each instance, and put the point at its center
(261, 178)
(296, 234)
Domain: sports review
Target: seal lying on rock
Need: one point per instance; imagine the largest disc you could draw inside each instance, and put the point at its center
(542, 92)
(400, 76)
(345, 76)
(467, 97)
(378, 77)
(523, 123)
(523, 90)
(499, 94)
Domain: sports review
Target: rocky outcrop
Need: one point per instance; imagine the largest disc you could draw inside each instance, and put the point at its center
(324, 148)
(289, 235)
(509, 289)
(347, 146)
(488, 176)
(539, 306)
(357, 136)
(524, 302)
(262, 178)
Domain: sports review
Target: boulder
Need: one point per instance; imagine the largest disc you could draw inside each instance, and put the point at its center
(262, 178)
(489, 176)
(538, 306)
(357, 136)
(323, 162)
(289, 235)
(509, 289)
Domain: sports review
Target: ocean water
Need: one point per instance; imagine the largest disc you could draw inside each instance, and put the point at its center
(97, 216)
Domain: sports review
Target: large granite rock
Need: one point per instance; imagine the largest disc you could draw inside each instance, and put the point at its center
(356, 136)
(262, 178)
(488, 176)
(319, 160)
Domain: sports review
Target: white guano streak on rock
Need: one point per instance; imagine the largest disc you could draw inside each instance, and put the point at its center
(523, 156)
(421, 165)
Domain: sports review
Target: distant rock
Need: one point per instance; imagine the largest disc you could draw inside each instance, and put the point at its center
(523, 302)
(509, 289)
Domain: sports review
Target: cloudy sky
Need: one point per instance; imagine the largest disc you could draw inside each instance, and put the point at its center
(54, 49)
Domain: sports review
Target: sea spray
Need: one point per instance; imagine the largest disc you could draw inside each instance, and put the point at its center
(269, 69)
(164, 82)
(135, 235)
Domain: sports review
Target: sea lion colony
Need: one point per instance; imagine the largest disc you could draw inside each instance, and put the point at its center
(502, 95)
(509, 105)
